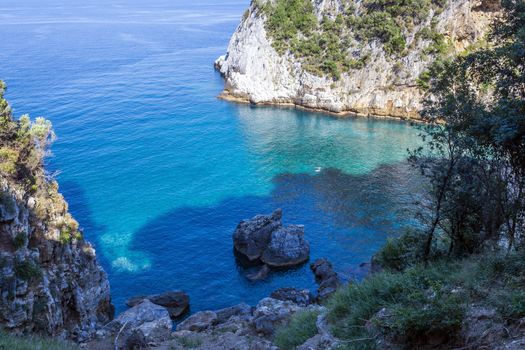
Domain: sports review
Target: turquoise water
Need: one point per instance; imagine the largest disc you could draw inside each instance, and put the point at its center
(159, 172)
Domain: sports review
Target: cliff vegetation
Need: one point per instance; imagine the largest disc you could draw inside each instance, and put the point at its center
(323, 46)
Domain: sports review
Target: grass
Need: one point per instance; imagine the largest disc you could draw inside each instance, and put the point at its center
(12, 342)
(190, 342)
(301, 328)
(420, 301)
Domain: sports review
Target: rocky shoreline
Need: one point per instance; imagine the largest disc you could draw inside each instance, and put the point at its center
(242, 327)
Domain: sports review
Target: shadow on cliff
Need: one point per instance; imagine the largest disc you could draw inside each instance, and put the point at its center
(347, 218)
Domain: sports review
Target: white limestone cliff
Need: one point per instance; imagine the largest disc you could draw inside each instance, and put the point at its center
(255, 72)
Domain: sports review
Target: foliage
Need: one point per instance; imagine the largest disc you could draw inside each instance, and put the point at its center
(189, 342)
(13, 342)
(474, 154)
(24, 143)
(301, 328)
(20, 240)
(27, 270)
(398, 254)
(427, 300)
(323, 46)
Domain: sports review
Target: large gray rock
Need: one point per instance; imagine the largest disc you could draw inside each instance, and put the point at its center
(251, 237)
(145, 323)
(176, 302)
(287, 247)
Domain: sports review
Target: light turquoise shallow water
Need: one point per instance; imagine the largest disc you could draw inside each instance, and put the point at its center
(159, 172)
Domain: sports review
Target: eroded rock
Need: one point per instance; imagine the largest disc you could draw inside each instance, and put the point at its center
(251, 237)
(301, 297)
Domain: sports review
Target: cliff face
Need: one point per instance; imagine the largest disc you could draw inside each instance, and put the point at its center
(386, 85)
(50, 281)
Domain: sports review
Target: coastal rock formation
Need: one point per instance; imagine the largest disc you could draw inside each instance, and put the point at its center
(50, 279)
(251, 237)
(244, 328)
(326, 277)
(176, 302)
(263, 239)
(377, 83)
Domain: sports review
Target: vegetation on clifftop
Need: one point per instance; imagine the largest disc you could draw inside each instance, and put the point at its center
(24, 146)
(324, 46)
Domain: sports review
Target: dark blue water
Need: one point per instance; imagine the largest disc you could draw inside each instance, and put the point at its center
(159, 172)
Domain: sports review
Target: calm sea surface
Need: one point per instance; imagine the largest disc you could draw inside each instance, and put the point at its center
(159, 172)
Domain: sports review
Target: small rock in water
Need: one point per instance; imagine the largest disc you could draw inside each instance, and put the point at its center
(259, 275)
(176, 302)
(326, 277)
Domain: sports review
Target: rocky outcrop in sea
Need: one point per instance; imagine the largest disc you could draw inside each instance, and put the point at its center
(385, 86)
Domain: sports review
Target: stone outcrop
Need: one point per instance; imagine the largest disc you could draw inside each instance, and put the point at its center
(255, 72)
(251, 237)
(176, 302)
(287, 247)
(326, 277)
(50, 280)
(263, 239)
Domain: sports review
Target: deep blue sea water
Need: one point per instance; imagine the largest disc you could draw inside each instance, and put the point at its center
(158, 171)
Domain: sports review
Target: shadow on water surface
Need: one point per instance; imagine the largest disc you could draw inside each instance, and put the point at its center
(347, 218)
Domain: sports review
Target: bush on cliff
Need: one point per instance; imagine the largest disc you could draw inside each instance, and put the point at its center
(323, 46)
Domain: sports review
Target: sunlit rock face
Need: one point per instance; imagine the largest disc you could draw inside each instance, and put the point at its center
(387, 86)
(49, 283)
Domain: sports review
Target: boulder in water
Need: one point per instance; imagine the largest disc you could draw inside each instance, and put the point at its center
(287, 247)
(251, 237)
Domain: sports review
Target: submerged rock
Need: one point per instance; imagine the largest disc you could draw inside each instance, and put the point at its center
(176, 302)
(260, 274)
(251, 237)
(326, 277)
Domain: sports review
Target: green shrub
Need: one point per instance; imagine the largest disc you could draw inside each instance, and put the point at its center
(301, 328)
(322, 46)
(27, 270)
(20, 240)
(399, 253)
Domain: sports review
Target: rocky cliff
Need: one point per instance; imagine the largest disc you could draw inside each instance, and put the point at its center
(364, 57)
(50, 280)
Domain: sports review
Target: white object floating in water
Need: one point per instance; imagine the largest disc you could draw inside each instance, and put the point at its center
(318, 169)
